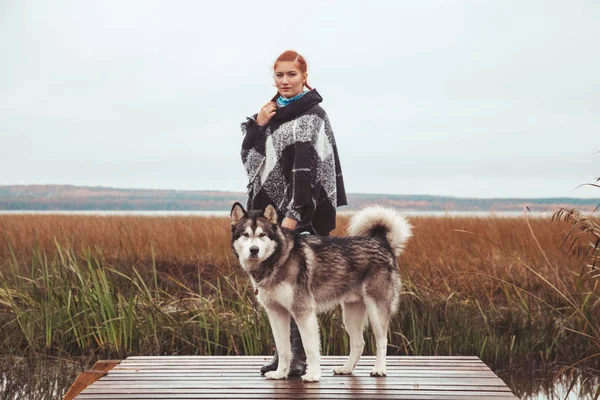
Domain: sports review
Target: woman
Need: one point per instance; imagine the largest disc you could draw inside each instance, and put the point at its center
(290, 156)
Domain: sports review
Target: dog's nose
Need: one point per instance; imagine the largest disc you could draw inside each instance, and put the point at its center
(254, 250)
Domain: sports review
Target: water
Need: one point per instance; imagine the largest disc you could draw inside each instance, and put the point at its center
(203, 213)
(581, 386)
(36, 379)
(49, 379)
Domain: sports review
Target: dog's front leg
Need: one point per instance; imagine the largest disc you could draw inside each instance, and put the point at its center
(308, 325)
(279, 318)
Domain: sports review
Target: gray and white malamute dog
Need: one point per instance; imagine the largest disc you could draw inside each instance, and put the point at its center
(301, 276)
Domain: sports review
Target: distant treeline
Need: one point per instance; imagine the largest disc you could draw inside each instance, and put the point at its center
(67, 197)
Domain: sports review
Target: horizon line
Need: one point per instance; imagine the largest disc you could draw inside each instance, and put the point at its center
(348, 193)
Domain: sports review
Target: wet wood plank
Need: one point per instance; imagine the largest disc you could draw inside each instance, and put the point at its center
(206, 377)
(86, 378)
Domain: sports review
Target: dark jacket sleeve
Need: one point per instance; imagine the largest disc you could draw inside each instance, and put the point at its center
(254, 136)
(253, 150)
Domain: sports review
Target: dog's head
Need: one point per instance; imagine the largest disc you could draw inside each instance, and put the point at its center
(253, 235)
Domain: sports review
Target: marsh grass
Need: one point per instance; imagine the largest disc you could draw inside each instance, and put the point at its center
(502, 289)
(73, 305)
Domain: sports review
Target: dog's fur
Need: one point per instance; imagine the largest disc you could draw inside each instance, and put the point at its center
(299, 276)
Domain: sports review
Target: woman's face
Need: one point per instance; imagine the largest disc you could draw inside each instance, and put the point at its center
(288, 79)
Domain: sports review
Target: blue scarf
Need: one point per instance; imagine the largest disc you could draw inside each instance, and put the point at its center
(282, 101)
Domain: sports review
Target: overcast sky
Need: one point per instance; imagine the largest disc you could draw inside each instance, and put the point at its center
(463, 98)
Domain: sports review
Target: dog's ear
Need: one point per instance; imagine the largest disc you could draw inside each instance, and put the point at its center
(270, 213)
(237, 213)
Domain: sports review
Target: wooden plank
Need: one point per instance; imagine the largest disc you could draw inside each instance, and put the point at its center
(234, 358)
(247, 360)
(362, 380)
(286, 383)
(171, 389)
(425, 395)
(294, 396)
(232, 377)
(254, 369)
(218, 393)
(362, 362)
(329, 359)
(325, 363)
(390, 372)
(87, 378)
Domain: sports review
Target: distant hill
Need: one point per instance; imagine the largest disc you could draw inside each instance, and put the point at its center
(68, 197)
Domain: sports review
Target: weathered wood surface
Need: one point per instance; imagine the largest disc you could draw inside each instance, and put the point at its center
(86, 378)
(223, 377)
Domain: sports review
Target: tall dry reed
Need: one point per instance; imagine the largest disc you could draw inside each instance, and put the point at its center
(156, 285)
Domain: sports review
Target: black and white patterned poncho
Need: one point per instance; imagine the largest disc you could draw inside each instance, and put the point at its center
(292, 163)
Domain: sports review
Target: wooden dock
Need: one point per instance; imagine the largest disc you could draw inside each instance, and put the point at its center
(222, 377)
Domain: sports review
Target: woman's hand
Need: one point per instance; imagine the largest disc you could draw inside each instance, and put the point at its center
(289, 223)
(266, 113)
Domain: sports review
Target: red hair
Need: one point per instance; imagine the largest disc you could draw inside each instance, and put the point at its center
(293, 56)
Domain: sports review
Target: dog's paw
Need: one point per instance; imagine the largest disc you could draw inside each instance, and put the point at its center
(275, 375)
(342, 370)
(311, 377)
(378, 372)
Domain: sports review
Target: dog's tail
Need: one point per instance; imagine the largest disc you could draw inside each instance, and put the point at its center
(382, 222)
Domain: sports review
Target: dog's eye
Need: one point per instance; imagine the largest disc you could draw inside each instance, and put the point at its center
(245, 234)
(262, 234)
